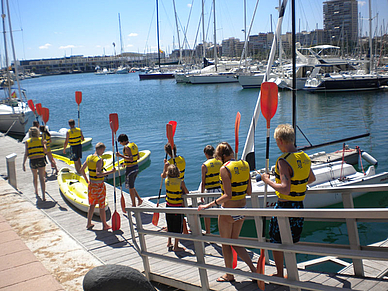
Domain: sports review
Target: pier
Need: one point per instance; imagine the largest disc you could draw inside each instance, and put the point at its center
(55, 232)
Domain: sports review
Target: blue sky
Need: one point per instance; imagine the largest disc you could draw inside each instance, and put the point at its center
(47, 28)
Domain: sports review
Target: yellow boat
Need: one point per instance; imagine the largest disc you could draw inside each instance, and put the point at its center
(75, 189)
(144, 156)
(59, 150)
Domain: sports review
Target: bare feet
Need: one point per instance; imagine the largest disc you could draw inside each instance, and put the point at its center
(226, 278)
(140, 202)
(106, 227)
(90, 226)
(278, 275)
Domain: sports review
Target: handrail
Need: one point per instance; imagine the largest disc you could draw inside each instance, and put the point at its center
(351, 216)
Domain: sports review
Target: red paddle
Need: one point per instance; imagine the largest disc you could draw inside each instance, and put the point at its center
(32, 107)
(114, 125)
(45, 115)
(269, 105)
(122, 201)
(78, 99)
(39, 109)
(155, 217)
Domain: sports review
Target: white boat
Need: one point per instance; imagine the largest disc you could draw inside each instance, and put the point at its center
(58, 138)
(213, 78)
(250, 79)
(122, 70)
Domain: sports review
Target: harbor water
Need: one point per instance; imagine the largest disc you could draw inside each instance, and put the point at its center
(205, 114)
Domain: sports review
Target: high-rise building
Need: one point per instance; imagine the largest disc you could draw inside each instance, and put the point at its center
(340, 21)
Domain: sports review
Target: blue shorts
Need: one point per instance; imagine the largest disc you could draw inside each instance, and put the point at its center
(76, 152)
(296, 223)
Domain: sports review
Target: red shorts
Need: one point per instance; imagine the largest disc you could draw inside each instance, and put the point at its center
(97, 194)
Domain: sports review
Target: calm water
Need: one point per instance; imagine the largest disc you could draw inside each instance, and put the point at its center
(205, 115)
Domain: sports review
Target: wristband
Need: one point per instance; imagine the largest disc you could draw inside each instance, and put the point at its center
(215, 201)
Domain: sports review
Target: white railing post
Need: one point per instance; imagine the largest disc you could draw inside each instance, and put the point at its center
(354, 240)
(143, 246)
(289, 257)
(11, 170)
(199, 247)
(259, 223)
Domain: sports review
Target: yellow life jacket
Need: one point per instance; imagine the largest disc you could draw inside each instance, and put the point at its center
(300, 164)
(74, 136)
(239, 172)
(35, 147)
(48, 141)
(212, 177)
(173, 191)
(135, 154)
(181, 164)
(91, 161)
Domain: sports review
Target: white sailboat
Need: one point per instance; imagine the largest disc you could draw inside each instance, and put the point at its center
(328, 174)
(15, 115)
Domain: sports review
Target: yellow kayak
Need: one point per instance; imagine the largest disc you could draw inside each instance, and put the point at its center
(144, 156)
(59, 150)
(75, 189)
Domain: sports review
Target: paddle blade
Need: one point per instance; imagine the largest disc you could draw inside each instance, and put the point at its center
(155, 218)
(170, 135)
(31, 105)
(234, 265)
(78, 97)
(45, 114)
(122, 201)
(114, 121)
(261, 269)
(236, 129)
(39, 109)
(173, 123)
(115, 221)
(269, 100)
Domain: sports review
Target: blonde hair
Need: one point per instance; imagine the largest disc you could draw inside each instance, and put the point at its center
(33, 132)
(173, 171)
(100, 145)
(286, 133)
(223, 149)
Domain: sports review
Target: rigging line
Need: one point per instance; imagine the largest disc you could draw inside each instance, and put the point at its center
(149, 29)
(187, 25)
(249, 31)
(304, 135)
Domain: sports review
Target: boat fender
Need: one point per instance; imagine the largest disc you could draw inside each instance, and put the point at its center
(367, 157)
(258, 177)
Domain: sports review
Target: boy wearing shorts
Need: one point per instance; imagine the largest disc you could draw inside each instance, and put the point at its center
(74, 137)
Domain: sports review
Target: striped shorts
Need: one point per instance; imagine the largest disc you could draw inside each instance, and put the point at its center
(97, 194)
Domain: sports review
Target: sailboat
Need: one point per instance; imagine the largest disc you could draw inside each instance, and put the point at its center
(328, 174)
(15, 115)
(157, 74)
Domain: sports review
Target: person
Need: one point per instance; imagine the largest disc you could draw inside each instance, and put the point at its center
(74, 137)
(47, 139)
(35, 123)
(174, 190)
(180, 162)
(96, 185)
(292, 174)
(210, 181)
(35, 150)
(235, 185)
(130, 156)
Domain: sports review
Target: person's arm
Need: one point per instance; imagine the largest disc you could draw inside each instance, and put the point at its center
(66, 142)
(285, 178)
(83, 171)
(100, 171)
(312, 177)
(203, 180)
(164, 173)
(44, 144)
(82, 135)
(226, 182)
(25, 156)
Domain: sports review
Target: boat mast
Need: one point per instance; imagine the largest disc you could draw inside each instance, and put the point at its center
(5, 49)
(370, 38)
(121, 38)
(215, 35)
(177, 30)
(203, 33)
(293, 69)
(157, 29)
(245, 34)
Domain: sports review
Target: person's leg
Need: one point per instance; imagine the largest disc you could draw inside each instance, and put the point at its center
(103, 219)
(139, 200)
(42, 173)
(89, 224)
(77, 165)
(207, 224)
(241, 251)
(278, 258)
(35, 180)
(132, 193)
(178, 228)
(52, 161)
(225, 223)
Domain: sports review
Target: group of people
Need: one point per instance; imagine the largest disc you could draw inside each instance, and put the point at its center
(220, 173)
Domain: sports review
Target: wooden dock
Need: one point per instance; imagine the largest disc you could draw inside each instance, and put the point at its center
(117, 247)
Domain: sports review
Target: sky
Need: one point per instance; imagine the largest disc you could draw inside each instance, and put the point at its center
(51, 29)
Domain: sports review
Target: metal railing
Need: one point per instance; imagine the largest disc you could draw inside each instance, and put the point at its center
(351, 216)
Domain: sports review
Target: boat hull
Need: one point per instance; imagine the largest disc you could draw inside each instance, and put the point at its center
(15, 122)
(75, 189)
(155, 76)
(212, 79)
(87, 142)
(144, 157)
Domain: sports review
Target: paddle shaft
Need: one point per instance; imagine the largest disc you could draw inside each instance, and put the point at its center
(161, 185)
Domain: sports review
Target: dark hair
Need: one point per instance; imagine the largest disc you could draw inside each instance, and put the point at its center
(122, 138)
(35, 123)
(167, 148)
(71, 122)
(209, 150)
(43, 129)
